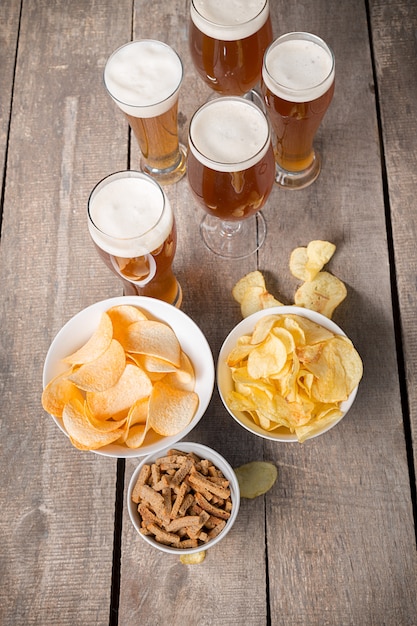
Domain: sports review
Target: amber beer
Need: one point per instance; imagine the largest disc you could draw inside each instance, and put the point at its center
(227, 42)
(144, 77)
(132, 225)
(230, 161)
(298, 85)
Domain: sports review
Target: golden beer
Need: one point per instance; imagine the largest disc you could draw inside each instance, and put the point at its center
(231, 171)
(132, 226)
(227, 43)
(143, 78)
(298, 87)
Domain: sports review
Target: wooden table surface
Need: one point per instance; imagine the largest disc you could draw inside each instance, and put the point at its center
(334, 541)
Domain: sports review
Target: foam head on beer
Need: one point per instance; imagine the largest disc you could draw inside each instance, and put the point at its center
(229, 134)
(143, 77)
(298, 69)
(128, 215)
(229, 20)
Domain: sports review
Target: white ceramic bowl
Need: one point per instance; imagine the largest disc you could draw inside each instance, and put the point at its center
(80, 327)
(224, 376)
(203, 452)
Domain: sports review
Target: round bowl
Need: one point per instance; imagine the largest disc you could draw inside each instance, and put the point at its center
(224, 376)
(79, 329)
(218, 461)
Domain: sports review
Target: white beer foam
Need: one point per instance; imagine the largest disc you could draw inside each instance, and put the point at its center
(128, 216)
(143, 77)
(229, 20)
(229, 134)
(298, 70)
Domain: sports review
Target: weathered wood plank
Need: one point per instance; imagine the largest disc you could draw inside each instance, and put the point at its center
(57, 521)
(9, 28)
(394, 36)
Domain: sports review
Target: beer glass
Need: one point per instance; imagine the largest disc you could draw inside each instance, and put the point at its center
(227, 42)
(144, 78)
(231, 171)
(132, 226)
(297, 83)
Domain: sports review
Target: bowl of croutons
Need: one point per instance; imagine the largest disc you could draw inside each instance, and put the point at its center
(183, 500)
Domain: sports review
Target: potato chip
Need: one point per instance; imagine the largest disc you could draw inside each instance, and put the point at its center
(323, 294)
(58, 392)
(80, 430)
(103, 372)
(121, 316)
(296, 375)
(183, 377)
(194, 558)
(136, 436)
(115, 402)
(256, 478)
(96, 345)
(253, 279)
(306, 263)
(171, 409)
(154, 339)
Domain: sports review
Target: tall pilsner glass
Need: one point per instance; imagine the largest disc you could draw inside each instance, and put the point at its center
(132, 226)
(297, 83)
(231, 170)
(144, 78)
(227, 42)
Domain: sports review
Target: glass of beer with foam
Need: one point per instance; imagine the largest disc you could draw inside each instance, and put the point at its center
(297, 83)
(231, 171)
(144, 78)
(227, 40)
(132, 226)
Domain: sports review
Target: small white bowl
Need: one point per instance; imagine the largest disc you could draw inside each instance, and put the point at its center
(79, 329)
(204, 452)
(224, 375)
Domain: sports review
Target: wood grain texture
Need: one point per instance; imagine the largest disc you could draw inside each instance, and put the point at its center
(395, 45)
(333, 543)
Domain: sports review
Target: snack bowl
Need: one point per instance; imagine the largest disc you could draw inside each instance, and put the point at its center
(224, 375)
(203, 452)
(77, 331)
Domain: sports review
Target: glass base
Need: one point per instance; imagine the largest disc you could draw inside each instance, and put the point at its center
(301, 179)
(171, 174)
(232, 240)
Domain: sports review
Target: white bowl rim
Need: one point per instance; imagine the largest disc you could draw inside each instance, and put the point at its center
(246, 326)
(157, 309)
(220, 462)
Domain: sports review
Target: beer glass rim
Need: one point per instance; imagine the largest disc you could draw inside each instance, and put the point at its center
(117, 176)
(229, 27)
(303, 93)
(145, 107)
(227, 166)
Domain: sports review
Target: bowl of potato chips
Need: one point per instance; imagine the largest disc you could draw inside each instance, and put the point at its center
(128, 376)
(183, 500)
(288, 374)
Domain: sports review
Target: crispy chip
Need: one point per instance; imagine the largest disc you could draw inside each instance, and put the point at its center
(121, 316)
(82, 432)
(155, 339)
(103, 372)
(256, 478)
(96, 345)
(183, 377)
(306, 263)
(115, 402)
(253, 279)
(171, 409)
(194, 558)
(322, 294)
(292, 373)
(58, 392)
